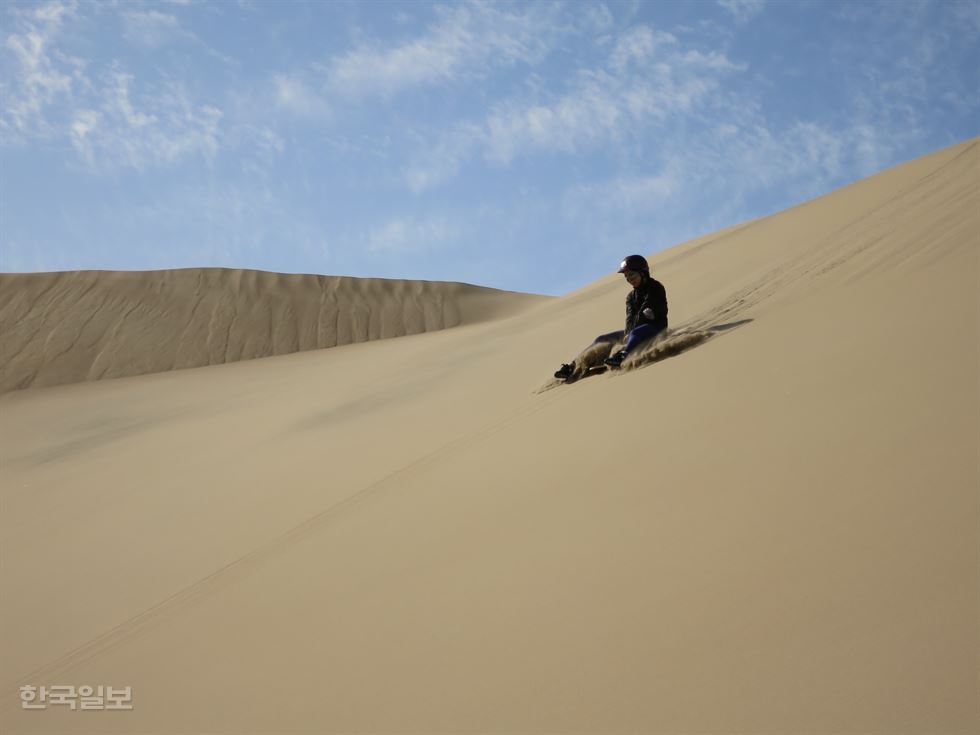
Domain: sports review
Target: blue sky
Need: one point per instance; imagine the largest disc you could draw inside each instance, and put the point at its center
(520, 146)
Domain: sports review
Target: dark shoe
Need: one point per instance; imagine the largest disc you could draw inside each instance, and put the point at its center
(565, 371)
(615, 360)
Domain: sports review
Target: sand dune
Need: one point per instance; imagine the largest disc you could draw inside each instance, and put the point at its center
(773, 531)
(67, 327)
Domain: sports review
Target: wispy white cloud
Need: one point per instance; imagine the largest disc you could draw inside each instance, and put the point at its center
(295, 96)
(466, 39)
(743, 10)
(109, 117)
(596, 18)
(412, 235)
(39, 76)
(151, 28)
(648, 78)
(632, 194)
(263, 139)
(966, 13)
(737, 160)
(144, 129)
(637, 45)
(596, 110)
(912, 75)
(718, 177)
(82, 126)
(435, 164)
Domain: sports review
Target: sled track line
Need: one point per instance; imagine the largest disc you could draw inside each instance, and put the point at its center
(239, 568)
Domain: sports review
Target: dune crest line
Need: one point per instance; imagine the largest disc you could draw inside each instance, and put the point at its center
(58, 328)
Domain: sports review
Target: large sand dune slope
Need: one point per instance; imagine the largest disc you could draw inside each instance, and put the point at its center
(774, 531)
(86, 325)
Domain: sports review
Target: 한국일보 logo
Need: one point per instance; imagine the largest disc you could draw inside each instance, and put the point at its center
(85, 698)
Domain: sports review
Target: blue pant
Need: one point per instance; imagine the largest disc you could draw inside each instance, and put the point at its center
(638, 334)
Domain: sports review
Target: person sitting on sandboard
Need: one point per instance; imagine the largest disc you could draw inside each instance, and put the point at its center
(646, 314)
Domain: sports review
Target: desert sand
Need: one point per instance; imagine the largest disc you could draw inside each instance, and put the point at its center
(65, 327)
(774, 531)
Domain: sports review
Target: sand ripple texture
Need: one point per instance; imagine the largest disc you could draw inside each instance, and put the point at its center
(75, 326)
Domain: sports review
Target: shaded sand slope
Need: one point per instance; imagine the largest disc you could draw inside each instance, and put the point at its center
(67, 327)
(775, 531)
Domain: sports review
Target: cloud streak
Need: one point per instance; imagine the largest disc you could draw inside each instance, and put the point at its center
(151, 28)
(743, 10)
(41, 76)
(294, 96)
(109, 117)
(648, 78)
(154, 129)
(466, 40)
(412, 235)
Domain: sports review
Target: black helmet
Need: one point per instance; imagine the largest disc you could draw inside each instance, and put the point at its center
(634, 263)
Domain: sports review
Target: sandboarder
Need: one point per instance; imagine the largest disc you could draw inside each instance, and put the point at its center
(646, 314)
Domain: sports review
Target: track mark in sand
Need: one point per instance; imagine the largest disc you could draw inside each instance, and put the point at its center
(239, 568)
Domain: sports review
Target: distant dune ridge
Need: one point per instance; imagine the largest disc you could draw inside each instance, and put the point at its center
(766, 523)
(87, 325)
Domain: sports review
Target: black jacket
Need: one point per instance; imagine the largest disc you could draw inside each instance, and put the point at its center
(651, 294)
